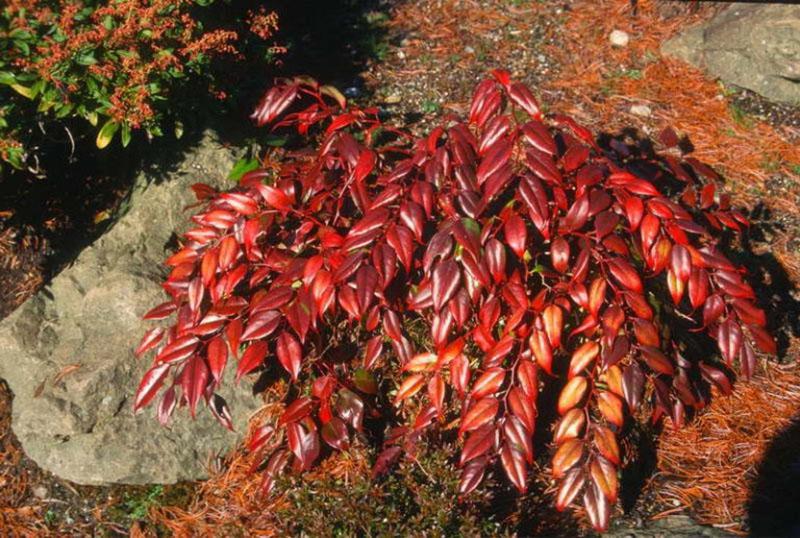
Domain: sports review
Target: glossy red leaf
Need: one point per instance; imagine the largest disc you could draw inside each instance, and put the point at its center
(516, 234)
(252, 358)
(334, 432)
(290, 353)
(217, 355)
(445, 281)
(479, 414)
(514, 465)
(150, 385)
(150, 340)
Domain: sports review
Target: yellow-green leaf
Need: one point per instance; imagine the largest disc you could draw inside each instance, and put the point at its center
(24, 90)
(106, 133)
(125, 135)
(330, 91)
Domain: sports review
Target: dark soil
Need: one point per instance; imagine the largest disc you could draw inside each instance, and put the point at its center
(776, 114)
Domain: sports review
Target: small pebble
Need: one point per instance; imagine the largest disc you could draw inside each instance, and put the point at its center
(619, 38)
(401, 54)
(40, 492)
(641, 110)
(469, 50)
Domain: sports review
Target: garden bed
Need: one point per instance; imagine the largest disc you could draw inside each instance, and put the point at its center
(422, 62)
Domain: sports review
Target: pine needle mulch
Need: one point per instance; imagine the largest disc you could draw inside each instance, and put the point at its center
(228, 502)
(713, 466)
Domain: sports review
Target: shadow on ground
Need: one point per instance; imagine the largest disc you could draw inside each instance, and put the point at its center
(773, 508)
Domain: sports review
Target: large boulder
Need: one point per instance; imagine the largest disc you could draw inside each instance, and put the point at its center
(754, 46)
(79, 425)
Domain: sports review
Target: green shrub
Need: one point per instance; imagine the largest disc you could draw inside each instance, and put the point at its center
(116, 63)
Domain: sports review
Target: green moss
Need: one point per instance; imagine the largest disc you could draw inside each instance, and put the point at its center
(417, 497)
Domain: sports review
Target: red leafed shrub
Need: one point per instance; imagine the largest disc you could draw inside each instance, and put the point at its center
(450, 282)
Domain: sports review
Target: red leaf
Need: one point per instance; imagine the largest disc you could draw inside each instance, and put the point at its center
(570, 486)
(542, 350)
(522, 96)
(559, 254)
(413, 217)
(296, 411)
(516, 234)
(514, 465)
(625, 274)
(409, 387)
(234, 335)
(763, 339)
(436, 393)
(150, 340)
(150, 385)
(217, 354)
(290, 353)
(365, 165)
(194, 379)
(537, 135)
(275, 197)
(523, 406)
(161, 311)
(496, 259)
(366, 283)
(597, 508)
(478, 443)
(446, 279)
(401, 239)
(519, 437)
(575, 157)
(385, 460)
(488, 383)
(178, 349)
(480, 413)
(167, 406)
(334, 432)
(471, 476)
(304, 444)
(252, 358)
(261, 436)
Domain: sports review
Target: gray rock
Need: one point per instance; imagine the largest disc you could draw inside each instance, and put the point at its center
(668, 527)
(83, 428)
(754, 45)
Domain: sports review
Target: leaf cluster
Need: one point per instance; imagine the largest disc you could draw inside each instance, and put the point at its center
(503, 274)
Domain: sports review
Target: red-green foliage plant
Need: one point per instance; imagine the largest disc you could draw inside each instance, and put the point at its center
(115, 63)
(401, 285)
